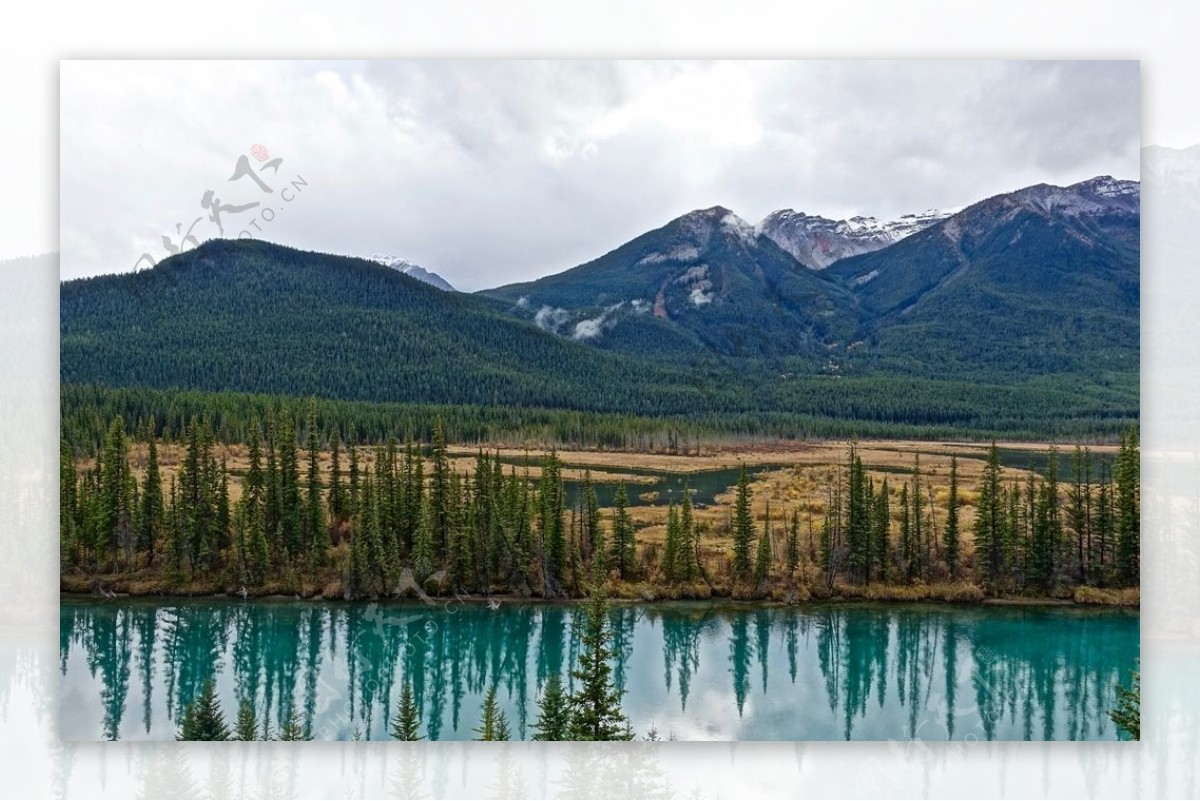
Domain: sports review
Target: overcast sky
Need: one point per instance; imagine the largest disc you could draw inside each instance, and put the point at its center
(489, 172)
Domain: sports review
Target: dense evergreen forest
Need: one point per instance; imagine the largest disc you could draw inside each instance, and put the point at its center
(409, 524)
(256, 318)
(87, 411)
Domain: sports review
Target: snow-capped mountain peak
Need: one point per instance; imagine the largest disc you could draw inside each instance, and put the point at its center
(412, 270)
(816, 242)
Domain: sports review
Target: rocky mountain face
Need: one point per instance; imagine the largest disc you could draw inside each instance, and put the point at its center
(1041, 279)
(816, 241)
(706, 281)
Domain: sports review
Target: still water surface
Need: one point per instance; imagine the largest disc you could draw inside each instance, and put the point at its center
(694, 671)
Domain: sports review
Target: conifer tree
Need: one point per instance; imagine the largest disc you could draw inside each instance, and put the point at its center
(246, 728)
(793, 544)
(951, 530)
(1127, 503)
(687, 557)
(596, 704)
(906, 535)
(554, 713)
(203, 718)
(439, 490)
(743, 528)
(68, 503)
(352, 472)
(290, 519)
(762, 559)
(290, 728)
(337, 491)
(550, 521)
(593, 532)
(671, 545)
(916, 567)
(623, 548)
(1105, 525)
(493, 724)
(407, 723)
(989, 520)
(150, 524)
(1128, 713)
(114, 516)
(881, 523)
(314, 516)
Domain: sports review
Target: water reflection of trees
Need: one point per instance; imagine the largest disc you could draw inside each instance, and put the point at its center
(900, 672)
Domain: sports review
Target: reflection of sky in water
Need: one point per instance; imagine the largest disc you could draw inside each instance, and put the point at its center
(823, 672)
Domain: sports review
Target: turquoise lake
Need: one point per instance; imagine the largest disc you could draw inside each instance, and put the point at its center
(692, 671)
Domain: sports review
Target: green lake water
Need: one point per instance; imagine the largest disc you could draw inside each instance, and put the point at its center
(694, 671)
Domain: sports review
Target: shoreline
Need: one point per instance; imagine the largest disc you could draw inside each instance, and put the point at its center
(509, 598)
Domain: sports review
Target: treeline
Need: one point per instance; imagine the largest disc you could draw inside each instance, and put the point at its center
(1036, 534)
(387, 529)
(88, 410)
(408, 522)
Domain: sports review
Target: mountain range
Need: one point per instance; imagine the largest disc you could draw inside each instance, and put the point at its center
(1041, 280)
(1019, 310)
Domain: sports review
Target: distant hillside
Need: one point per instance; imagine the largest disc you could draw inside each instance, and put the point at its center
(252, 316)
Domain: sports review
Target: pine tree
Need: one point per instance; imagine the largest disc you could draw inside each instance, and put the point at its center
(1041, 553)
(316, 535)
(596, 705)
(290, 729)
(762, 559)
(828, 550)
(989, 520)
(1128, 713)
(743, 528)
(337, 491)
(671, 545)
(554, 715)
(246, 728)
(951, 530)
(203, 718)
(593, 532)
(906, 535)
(687, 557)
(352, 472)
(858, 524)
(493, 724)
(623, 548)
(114, 515)
(68, 503)
(550, 521)
(503, 732)
(439, 490)
(175, 546)
(151, 521)
(1127, 503)
(881, 523)
(793, 544)
(407, 723)
(290, 518)
(1105, 524)
(916, 566)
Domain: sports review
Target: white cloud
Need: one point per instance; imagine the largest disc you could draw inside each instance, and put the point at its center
(493, 172)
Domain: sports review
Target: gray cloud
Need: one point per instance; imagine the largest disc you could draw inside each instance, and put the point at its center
(489, 172)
